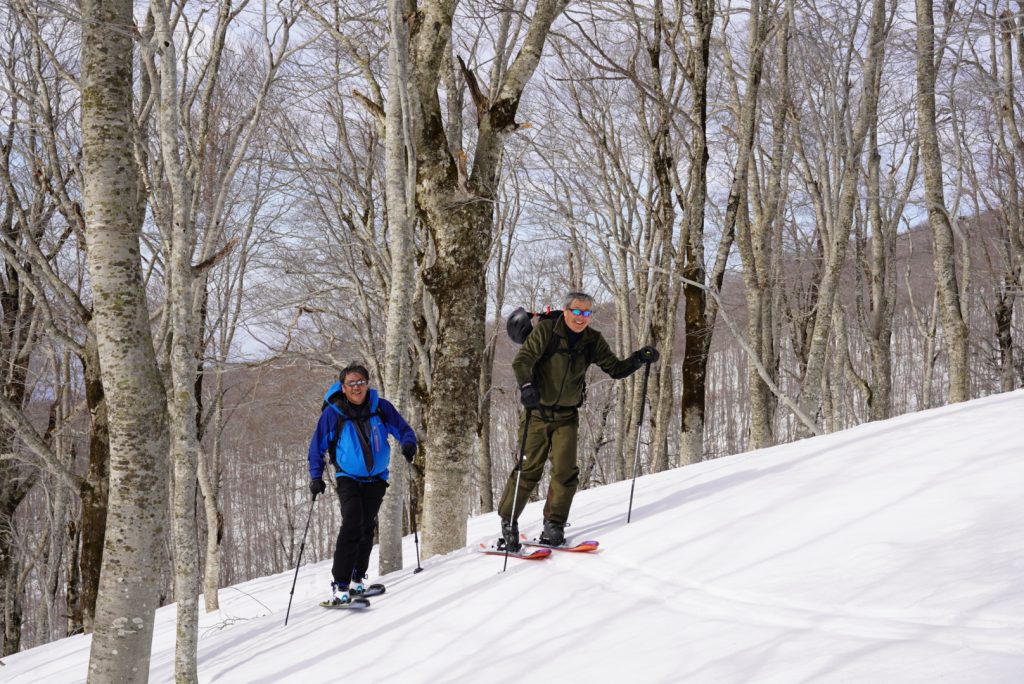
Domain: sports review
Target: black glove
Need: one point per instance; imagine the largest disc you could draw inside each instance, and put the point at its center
(409, 451)
(317, 487)
(529, 395)
(644, 355)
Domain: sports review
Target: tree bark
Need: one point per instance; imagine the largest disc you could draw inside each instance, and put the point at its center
(129, 582)
(18, 309)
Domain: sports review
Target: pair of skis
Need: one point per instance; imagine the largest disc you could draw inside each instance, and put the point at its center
(534, 549)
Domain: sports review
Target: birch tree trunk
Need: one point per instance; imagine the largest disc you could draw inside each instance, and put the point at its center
(954, 329)
(129, 589)
(400, 175)
(184, 442)
(208, 476)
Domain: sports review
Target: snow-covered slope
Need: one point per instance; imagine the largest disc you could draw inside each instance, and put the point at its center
(892, 552)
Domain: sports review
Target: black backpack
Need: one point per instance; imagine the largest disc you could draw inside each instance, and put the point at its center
(520, 322)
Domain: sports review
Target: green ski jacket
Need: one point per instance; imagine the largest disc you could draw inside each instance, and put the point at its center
(560, 374)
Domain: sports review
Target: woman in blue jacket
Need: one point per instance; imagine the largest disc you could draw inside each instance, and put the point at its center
(353, 429)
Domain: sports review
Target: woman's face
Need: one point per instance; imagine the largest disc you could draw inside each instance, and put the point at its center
(354, 387)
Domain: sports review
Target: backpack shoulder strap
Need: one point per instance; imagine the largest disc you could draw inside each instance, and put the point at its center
(549, 349)
(332, 444)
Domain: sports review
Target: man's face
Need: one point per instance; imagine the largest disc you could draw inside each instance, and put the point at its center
(354, 387)
(577, 315)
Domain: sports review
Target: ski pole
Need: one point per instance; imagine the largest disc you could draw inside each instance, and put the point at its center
(412, 519)
(519, 474)
(639, 424)
(302, 547)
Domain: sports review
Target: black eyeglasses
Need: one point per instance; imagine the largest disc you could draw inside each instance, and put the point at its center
(355, 383)
(586, 313)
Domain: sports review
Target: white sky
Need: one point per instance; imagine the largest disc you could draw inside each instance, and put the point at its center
(891, 552)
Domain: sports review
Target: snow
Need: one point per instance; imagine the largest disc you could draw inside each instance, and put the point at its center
(891, 552)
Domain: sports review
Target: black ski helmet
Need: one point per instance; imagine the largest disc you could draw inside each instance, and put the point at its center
(519, 325)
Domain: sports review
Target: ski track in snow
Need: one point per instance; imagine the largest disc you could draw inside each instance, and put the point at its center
(707, 601)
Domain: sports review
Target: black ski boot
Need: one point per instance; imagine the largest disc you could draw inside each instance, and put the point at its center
(553, 534)
(509, 536)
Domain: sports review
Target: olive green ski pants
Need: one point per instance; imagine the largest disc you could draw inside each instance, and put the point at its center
(552, 436)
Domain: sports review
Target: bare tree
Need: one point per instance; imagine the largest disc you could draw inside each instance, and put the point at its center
(128, 592)
(953, 326)
(51, 115)
(184, 442)
(22, 219)
(695, 273)
(189, 162)
(457, 211)
(990, 154)
(400, 184)
(875, 244)
(836, 219)
(755, 235)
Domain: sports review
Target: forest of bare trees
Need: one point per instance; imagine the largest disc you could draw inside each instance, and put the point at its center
(813, 208)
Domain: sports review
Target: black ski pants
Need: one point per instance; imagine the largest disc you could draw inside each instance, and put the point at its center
(360, 502)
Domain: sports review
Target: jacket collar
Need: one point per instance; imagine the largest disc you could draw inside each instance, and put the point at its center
(372, 398)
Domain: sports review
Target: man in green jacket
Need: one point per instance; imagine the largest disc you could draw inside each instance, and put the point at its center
(551, 369)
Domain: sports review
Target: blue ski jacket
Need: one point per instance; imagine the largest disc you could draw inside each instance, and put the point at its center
(348, 456)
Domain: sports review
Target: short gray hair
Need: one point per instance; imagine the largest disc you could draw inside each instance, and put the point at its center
(571, 297)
